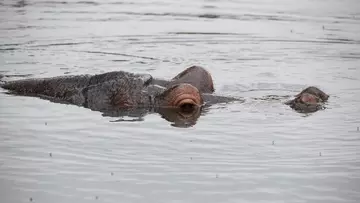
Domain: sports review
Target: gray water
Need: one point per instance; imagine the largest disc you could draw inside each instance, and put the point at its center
(257, 151)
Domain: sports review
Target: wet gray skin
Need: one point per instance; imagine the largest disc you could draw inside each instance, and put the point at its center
(309, 100)
(120, 93)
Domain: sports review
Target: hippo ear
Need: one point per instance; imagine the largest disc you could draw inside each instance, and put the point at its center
(183, 73)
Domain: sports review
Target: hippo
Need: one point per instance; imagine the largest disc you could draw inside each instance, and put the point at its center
(119, 89)
(309, 100)
(121, 93)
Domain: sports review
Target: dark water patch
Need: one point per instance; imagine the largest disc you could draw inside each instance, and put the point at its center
(87, 2)
(119, 60)
(67, 3)
(209, 16)
(347, 77)
(119, 54)
(49, 19)
(267, 89)
(52, 2)
(8, 49)
(21, 27)
(209, 7)
(128, 120)
(350, 56)
(244, 17)
(273, 97)
(203, 33)
(340, 40)
(16, 4)
(251, 59)
(70, 12)
(176, 117)
(139, 62)
(80, 3)
(12, 44)
(214, 41)
(20, 4)
(22, 62)
(120, 3)
(257, 39)
(352, 17)
(61, 44)
(312, 41)
(18, 75)
(106, 19)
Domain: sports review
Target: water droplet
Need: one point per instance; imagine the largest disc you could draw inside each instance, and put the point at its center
(50, 154)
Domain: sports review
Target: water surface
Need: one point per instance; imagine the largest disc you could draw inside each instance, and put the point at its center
(256, 151)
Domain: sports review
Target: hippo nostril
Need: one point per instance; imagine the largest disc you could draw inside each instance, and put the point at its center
(183, 96)
(187, 103)
(187, 106)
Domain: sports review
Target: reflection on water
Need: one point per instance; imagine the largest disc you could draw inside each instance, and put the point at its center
(258, 150)
(177, 117)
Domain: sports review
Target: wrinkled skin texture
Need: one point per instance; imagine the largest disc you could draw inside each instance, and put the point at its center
(96, 92)
(113, 92)
(309, 100)
(105, 91)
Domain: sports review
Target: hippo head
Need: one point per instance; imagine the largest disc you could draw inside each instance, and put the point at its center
(196, 76)
(309, 100)
(322, 97)
(183, 96)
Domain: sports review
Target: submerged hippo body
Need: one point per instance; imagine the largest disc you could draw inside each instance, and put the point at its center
(309, 100)
(119, 89)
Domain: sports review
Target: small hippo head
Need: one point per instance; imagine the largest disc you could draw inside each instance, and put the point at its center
(315, 92)
(309, 100)
(183, 96)
(196, 76)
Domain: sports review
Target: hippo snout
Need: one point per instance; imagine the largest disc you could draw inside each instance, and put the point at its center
(183, 96)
